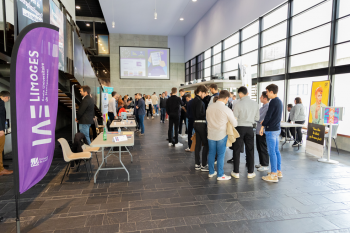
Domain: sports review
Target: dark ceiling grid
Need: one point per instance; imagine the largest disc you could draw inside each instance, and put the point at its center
(89, 8)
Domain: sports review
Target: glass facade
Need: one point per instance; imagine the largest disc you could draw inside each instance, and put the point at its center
(298, 41)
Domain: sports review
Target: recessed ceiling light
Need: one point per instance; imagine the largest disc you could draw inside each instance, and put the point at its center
(78, 7)
(194, 0)
(88, 24)
(181, 19)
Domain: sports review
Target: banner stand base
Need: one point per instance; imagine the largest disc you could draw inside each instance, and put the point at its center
(328, 161)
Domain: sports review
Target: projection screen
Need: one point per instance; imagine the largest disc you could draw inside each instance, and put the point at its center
(144, 63)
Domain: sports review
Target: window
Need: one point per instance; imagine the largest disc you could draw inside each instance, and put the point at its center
(301, 87)
(231, 65)
(309, 61)
(217, 48)
(310, 40)
(341, 100)
(207, 72)
(231, 53)
(343, 8)
(274, 51)
(254, 71)
(250, 58)
(217, 59)
(251, 30)
(314, 17)
(342, 54)
(231, 41)
(301, 5)
(343, 32)
(216, 70)
(250, 44)
(207, 54)
(273, 67)
(231, 73)
(274, 34)
(275, 17)
(207, 63)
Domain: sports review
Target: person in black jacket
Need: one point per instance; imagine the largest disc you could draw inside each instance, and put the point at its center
(85, 114)
(173, 105)
(162, 107)
(200, 127)
(183, 113)
(4, 97)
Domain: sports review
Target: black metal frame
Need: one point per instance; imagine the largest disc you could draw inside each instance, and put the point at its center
(329, 71)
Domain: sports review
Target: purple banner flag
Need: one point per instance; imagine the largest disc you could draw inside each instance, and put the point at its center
(36, 100)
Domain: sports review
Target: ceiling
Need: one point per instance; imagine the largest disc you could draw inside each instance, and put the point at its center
(88, 8)
(137, 16)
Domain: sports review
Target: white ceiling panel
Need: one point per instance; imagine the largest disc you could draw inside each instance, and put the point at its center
(137, 16)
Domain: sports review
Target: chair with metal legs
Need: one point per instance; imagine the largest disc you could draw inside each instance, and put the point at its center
(69, 156)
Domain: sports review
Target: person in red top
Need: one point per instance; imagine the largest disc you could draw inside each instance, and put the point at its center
(121, 109)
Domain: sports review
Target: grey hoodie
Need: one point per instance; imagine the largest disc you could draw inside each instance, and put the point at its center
(297, 113)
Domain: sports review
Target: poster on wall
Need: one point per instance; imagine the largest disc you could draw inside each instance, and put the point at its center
(105, 106)
(316, 129)
(56, 18)
(34, 101)
(29, 11)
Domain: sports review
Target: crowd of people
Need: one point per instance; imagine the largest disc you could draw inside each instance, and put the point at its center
(212, 121)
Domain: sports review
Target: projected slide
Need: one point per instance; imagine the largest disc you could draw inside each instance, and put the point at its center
(144, 63)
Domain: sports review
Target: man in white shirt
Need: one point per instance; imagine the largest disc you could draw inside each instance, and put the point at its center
(112, 109)
(218, 115)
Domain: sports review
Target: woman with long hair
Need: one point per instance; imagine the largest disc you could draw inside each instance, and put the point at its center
(149, 106)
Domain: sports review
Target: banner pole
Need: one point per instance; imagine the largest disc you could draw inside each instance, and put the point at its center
(18, 223)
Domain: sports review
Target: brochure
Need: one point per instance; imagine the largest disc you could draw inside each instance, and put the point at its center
(120, 138)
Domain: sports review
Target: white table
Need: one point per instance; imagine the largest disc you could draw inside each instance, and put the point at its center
(98, 142)
(290, 125)
(117, 124)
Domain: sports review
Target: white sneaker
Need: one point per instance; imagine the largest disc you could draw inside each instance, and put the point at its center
(251, 175)
(197, 167)
(178, 144)
(147, 118)
(235, 175)
(184, 135)
(188, 149)
(212, 175)
(224, 177)
(283, 139)
(161, 121)
(262, 168)
(152, 117)
(216, 162)
(205, 168)
(257, 166)
(170, 144)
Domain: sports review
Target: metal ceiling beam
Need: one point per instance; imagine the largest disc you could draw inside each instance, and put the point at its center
(90, 19)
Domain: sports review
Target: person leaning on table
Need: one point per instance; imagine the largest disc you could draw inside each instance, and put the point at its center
(297, 114)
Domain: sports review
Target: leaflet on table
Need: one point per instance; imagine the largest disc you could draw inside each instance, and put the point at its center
(120, 138)
(133, 67)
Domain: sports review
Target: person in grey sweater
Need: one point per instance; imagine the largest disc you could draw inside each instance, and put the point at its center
(297, 114)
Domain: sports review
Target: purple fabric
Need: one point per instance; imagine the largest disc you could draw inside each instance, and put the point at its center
(36, 104)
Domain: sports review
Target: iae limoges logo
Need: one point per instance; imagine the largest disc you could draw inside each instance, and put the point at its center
(34, 162)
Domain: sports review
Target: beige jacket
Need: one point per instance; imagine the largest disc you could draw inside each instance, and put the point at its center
(232, 134)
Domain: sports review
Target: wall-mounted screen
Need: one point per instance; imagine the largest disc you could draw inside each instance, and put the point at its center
(144, 63)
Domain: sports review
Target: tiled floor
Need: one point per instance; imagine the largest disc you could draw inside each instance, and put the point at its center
(166, 194)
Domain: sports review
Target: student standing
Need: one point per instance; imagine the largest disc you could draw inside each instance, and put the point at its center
(218, 115)
(4, 97)
(297, 114)
(214, 91)
(261, 145)
(200, 127)
(141, 112)
(173, 105)
(136, 114)
(167, 97)
(272, 126)
(112, 111)
(247, 113)
(162, 107)
(189, 121)
(183, 113)
(85, 114)
(155, 103)
(149, 106)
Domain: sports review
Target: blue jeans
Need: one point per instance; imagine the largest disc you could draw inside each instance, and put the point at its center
(272, 140)
(162, 114)
(219, 148)
(85, 129)
(137, 122)
(156, 108)
(142, 126)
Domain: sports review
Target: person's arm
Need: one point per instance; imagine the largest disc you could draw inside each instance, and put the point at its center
(268, 116)
(167, 107)
(257, 113)
(114, 107)
(236, 111)
(231, 118)
(2, 118)
(211, 101)
(292, 113)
